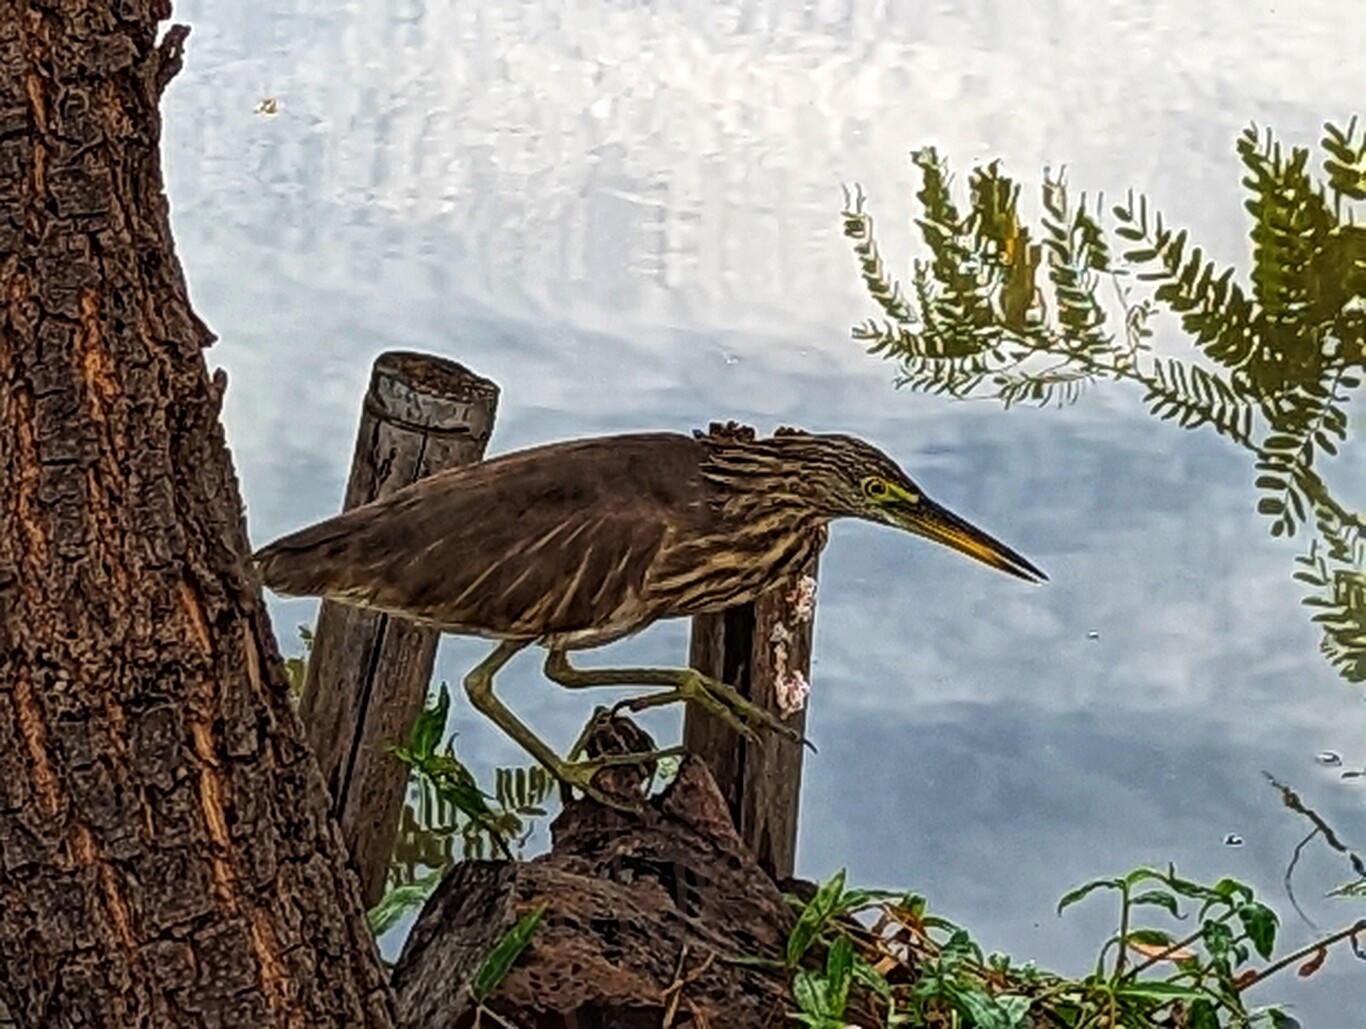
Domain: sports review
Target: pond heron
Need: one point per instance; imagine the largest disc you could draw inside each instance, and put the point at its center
(575, 544)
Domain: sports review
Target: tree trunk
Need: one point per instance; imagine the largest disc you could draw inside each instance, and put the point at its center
(166, 857)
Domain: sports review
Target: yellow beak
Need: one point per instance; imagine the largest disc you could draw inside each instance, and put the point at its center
(928, 519)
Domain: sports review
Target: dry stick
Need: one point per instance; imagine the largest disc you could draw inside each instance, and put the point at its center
(675, 988)
(1294, 803)
(481, 1011)
(1292, 800)
(1289, 873)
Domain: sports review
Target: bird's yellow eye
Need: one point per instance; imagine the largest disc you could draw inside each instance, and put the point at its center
(876, 489)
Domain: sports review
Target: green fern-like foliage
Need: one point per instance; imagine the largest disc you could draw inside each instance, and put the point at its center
(1335, 572)
(1274, 361)
(447, 805)
(977, 319)
(1344, 163)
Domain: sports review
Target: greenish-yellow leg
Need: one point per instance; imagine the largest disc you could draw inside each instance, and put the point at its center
(685, 685)
(479, 688)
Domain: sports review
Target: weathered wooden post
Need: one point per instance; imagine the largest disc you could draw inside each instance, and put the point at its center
(369, 672)
(763, 649)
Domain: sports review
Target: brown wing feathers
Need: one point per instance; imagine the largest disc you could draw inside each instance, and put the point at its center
(539, 541)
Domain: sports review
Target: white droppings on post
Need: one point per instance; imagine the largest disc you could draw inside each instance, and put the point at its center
(793, 689)
(802, 597)
(790, 686)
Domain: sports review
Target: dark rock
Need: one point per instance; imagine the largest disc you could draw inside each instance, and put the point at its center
(643, 911)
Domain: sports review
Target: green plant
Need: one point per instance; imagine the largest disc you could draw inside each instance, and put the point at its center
(496, 964)
(1209, 962)
(399, 900)
(910, 968)
(449, 805)
(998, 310)
(941, 974)
(296, 665)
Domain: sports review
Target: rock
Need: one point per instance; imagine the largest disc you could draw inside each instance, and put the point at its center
(642, 912)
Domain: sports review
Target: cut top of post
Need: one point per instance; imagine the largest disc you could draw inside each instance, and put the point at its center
(431, 395)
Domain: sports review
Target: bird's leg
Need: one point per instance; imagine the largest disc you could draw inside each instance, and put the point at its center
(479, 688)
(686, 684)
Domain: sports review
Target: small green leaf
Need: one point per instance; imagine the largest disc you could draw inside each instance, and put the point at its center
(1272, 1018)
(1072, 896)
(1149, 937)
(872, 978)
(504, 954)
(1155, 990)
(1016, 1007)
(1230, 888)
(1201, 1015)
(808, 989)
(839, 968)
(913, 904)
(1260, 923)
(813, 918)
(1143, 874)
(1218, 938)
(985, 1011)
(852, 900)
(1158, 898)
(430, 724)
(399, 901)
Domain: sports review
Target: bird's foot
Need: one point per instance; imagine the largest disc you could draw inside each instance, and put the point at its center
(717, 698)
(580, 775)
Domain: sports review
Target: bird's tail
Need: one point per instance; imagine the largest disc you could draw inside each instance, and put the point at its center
(312, 562)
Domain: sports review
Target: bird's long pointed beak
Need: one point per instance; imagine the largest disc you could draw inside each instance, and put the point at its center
(934, 522)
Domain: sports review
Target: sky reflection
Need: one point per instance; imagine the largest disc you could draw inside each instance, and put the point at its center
(628, 215)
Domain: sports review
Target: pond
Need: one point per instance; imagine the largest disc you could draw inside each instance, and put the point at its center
(629, 215)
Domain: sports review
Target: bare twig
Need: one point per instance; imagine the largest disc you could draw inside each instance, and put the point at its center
(1292, 800)
(1289, 873)
(674, 992)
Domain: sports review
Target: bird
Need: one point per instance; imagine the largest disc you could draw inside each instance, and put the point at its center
(578, 543)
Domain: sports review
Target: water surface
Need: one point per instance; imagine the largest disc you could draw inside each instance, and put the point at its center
(627, 214)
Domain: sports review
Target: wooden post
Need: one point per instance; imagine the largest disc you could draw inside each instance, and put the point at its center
(761, 649)
(369, 673)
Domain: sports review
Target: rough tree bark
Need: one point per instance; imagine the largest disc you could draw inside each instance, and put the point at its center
(166, 857)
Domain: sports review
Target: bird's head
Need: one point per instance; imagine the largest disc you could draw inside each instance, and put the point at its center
(851, 478)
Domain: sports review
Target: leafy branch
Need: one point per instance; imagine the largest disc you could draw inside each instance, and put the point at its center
(860, 957)
(446, 804)
(450, 802)
(1273, 362)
